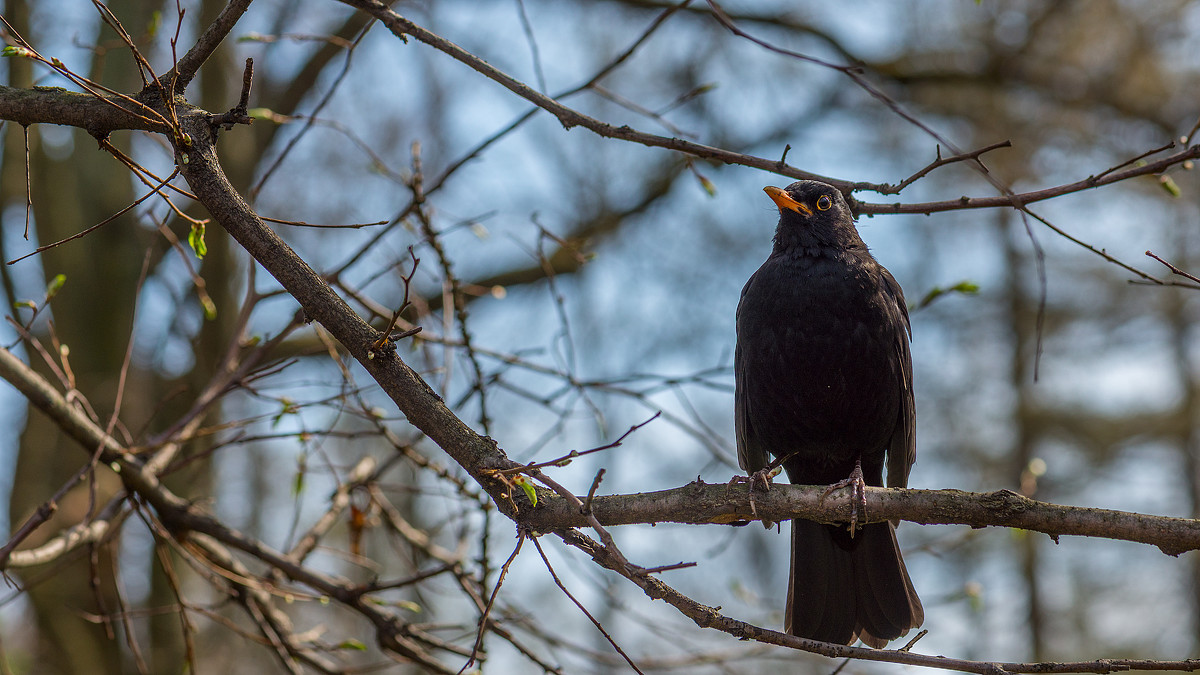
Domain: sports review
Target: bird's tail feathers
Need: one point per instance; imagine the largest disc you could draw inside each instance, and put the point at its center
(843, 588)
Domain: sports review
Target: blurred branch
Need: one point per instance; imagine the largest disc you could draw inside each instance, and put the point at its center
(188, 522)
(177, 78)
(569, 255)
(73, 537)
(569, 117)
(771, 18)
(1175, 270)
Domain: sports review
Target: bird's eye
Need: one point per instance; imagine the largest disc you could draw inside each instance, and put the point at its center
(824, 202)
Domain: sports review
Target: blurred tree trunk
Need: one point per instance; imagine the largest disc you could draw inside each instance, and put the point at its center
(71, 194)
(1188, 440)
(1024, 345)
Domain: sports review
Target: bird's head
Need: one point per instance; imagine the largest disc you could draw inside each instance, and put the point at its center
(813, 215)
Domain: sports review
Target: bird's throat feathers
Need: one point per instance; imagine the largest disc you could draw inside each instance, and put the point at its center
(815, 238)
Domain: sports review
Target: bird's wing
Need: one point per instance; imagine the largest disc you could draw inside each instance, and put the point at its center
(902, 449)
(751, 455)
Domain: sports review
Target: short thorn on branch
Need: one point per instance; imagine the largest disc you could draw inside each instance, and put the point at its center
(239, 114)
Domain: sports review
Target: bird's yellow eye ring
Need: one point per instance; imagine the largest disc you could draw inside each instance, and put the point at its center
(824, 203)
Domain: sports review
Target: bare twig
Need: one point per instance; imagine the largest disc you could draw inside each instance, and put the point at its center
(483, 618)
(1174, 269)
(153, 191)
(566, 459)
(943, 161)
(600, 627)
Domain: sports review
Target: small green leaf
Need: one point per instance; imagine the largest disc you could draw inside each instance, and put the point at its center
(289, 407)
(963, 287)
(352, 644)
(408, 605)
(196, 240)
(14, 51)
(267, 114)
(707, 184)
(1170, 186)
(26, 304)
(526, 485)
(55, 285)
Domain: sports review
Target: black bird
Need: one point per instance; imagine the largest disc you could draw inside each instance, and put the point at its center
(824, 380)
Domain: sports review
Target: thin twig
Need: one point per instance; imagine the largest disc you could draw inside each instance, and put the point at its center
(566, 459)
(558, 582)
(943, 161)
(1174, 269)
(483, 618)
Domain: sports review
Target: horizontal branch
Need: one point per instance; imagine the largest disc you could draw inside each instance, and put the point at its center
(569, 117)
(98, 115)
(1025, 198)
(703, 503)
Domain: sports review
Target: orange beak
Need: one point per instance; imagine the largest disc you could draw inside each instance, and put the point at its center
(784, 201)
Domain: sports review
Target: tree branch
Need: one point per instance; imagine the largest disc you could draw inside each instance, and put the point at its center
(700, 503)
(178, 78)
(1025, 198)
(99, 116)
(711, 617)
(569, 117)
(411, 394)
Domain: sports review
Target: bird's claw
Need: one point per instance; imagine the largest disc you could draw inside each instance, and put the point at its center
(858, 494)
(760, 479)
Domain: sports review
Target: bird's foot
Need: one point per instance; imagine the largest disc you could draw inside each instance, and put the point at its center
(760, 479)
(858, 495)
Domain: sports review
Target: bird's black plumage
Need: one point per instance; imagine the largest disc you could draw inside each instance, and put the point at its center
(824, 377)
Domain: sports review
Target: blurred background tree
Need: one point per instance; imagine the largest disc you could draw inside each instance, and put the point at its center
(569, 286)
